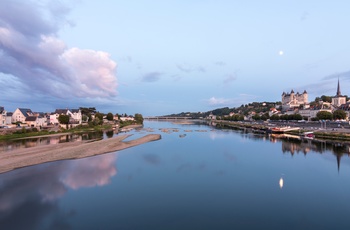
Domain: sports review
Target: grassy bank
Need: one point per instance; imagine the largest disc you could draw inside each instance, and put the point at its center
(28, 133)
(33, 132)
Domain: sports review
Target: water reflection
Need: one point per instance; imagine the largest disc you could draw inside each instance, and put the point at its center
(280, 182)
(294, 146)
(227, 179)
(51, 140)
(31, 194)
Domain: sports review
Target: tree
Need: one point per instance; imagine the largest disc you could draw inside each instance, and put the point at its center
(324, 115)
(110, 116)
(339, 114)
(265, 116)
(99, 116)
(256, 117)
(275, 117)
(63, 119)
(139, 118)
(87, 111)
(85, 118)
(326, 98)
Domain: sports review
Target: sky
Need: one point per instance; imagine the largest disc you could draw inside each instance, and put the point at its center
(164, 56)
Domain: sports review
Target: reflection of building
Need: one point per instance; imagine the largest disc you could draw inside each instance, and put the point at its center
(305, 146)
(293, 147)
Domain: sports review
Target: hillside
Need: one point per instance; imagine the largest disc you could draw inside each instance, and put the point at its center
(242, 110)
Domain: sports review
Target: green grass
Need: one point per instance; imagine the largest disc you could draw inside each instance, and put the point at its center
(17, 134)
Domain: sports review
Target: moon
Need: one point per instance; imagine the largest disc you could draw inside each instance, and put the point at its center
(281, 52)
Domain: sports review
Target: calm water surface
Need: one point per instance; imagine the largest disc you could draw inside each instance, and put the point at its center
(208, 179)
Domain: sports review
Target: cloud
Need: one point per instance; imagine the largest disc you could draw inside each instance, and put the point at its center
(343, 75)
(220, 63)
(304, 16)
(231, 102)
(328, 85)
(151, 77)
(213, 101)
(230, 78)
(31, 52)
(187, 68)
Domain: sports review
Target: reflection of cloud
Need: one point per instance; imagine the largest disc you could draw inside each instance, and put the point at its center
(30, 193)
(152, 159)
(184, 167)
(220, 172)
(215, 135)
(230, 156)
(90, 172)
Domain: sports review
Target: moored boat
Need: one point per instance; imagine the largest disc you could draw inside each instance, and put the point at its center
(308, 135)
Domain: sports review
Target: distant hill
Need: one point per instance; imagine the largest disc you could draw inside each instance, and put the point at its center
(243, 110)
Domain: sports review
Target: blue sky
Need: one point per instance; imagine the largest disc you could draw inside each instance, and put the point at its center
(162, 57)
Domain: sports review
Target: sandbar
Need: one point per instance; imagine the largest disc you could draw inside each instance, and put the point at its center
(24, 157)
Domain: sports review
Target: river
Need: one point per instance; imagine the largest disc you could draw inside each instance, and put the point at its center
(195, 177)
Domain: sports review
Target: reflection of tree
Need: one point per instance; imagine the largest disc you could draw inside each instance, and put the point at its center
(30, 194)
(110, 133)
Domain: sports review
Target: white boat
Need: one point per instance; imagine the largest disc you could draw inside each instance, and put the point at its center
(309, 135)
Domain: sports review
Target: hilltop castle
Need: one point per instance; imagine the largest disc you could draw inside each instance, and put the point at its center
(292, 99)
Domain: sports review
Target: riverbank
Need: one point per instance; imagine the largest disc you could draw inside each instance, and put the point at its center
(18, 134)
(71, 150)
(334, 135)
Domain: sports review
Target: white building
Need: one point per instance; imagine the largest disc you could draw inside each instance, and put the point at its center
(338, 99)
(312, 112)
(292, 100)
(2, 116)
(74, 114)
(21, 114)
(127, 119)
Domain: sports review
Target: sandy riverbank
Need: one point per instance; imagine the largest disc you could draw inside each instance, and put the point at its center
(72, 150)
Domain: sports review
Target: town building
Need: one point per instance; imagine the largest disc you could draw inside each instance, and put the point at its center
(21, 114)
(36, 121)
(2, 116)
(8, 118)
(338, 99)
(74, 114)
